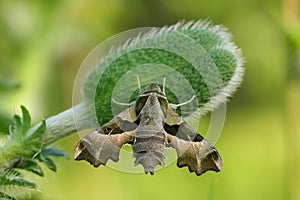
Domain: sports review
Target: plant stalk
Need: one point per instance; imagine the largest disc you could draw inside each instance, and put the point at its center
(65, 123)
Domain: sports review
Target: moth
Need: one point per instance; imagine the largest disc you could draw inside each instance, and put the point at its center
(150, 125)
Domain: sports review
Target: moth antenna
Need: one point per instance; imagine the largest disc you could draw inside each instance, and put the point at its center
(122, 104)
(139, 83)
(164, 86)
(184, 103)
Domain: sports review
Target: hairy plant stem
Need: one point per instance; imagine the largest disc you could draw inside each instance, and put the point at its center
(64, 123)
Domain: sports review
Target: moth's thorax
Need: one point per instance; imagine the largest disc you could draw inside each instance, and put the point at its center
(153, 88)
(156, 98)
(152, 113)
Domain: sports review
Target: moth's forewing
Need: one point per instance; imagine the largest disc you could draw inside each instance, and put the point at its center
(105, 142)
(122, 122)
(172, 118)
(97, 148)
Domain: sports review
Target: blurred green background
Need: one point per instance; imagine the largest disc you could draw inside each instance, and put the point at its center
(43, 43)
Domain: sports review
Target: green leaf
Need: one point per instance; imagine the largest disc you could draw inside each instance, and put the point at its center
(5, 196)
(12, 173)
(39, 131)
(18, 122)
(29, 165)
(49, 163)
(17, 182)
(54, 152)
(26, 119)
(16, 128)
(21, 125)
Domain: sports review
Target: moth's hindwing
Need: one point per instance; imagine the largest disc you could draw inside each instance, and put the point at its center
(192, 149)
(199, 157)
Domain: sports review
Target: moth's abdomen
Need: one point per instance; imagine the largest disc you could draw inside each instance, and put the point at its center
(149, 149)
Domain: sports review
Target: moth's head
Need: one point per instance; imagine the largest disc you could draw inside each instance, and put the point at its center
(152, 88)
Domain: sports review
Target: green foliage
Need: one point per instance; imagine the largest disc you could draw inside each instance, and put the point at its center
(17, 182)
(24, 152)
(5, 196)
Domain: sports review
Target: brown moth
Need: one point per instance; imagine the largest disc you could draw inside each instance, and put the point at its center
(150, 125)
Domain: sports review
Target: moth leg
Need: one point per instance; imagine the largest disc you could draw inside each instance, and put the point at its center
(97, 148)
(199, 157)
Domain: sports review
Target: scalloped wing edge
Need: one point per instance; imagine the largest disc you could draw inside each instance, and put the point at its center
(97, 148)
(199, 157)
